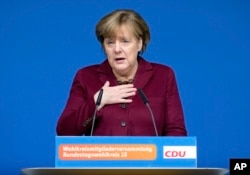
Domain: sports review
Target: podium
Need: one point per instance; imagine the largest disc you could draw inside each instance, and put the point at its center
(124, 171)
(132, 152)
(125, 156)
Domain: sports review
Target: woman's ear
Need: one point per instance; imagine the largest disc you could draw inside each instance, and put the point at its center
(140, 44)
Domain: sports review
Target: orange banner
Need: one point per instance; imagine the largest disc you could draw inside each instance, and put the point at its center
(107, 152)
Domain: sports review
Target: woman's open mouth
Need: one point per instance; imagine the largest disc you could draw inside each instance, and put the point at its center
(119, 60)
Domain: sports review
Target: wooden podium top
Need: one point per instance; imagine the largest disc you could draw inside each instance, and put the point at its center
(124, 171)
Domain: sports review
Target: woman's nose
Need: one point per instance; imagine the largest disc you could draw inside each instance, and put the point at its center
(117, 47)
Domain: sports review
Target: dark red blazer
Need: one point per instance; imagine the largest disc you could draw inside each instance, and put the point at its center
(158, 84)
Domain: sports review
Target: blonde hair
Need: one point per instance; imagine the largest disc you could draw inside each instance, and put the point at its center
(108, 25)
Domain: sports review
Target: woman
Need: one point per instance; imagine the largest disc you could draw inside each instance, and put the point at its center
(124, 36)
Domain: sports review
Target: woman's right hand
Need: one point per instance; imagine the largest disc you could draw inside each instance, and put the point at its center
(115, 94)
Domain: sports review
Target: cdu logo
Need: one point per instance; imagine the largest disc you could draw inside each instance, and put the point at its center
(179, 152)
(239, 166)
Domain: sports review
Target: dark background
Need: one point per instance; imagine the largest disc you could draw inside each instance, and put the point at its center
(44, 42)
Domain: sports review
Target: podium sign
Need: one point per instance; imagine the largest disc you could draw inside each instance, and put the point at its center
(114, 151)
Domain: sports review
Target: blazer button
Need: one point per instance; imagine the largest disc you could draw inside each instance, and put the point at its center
(123, 124)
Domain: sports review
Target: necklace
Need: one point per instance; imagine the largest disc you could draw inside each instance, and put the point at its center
(130, 81)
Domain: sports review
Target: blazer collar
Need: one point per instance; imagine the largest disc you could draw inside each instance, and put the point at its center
(142, 77)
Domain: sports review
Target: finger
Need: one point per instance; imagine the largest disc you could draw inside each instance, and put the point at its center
(128, 90)
(106, 84)
(127, 95)
(130, 94)
(126, 100)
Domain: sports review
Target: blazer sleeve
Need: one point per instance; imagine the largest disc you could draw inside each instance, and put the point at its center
(77, 115)
(175, 124)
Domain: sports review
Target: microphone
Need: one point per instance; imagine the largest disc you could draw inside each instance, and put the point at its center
(98, 102)
(145, 100)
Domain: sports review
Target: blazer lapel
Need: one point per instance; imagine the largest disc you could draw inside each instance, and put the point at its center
(144, 73)
(106, 74)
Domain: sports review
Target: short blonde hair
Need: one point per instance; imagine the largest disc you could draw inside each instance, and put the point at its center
(108, 25)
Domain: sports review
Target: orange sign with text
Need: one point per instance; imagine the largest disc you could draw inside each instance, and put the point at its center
(107, 152)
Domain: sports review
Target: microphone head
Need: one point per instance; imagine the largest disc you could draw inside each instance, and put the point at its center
(99, 98)
(143, 96)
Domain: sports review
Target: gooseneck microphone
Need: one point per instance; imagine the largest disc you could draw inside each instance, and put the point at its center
(145, 100)
(98, 102)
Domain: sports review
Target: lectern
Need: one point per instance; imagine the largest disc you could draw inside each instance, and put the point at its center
(125, 156)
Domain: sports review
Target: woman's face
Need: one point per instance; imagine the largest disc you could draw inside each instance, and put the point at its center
(122, 51)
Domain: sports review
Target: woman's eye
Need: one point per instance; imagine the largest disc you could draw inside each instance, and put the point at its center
(110, 42)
